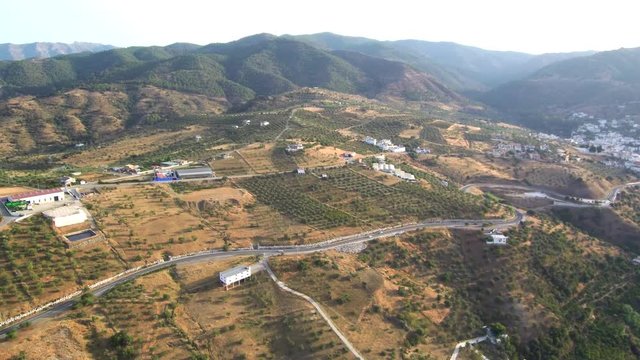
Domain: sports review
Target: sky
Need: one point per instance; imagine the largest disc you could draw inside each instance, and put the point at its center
(537, 26)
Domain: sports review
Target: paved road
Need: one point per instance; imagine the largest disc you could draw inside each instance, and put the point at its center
(462, 344)
(558, 199)
(274, 250)
(321, 312)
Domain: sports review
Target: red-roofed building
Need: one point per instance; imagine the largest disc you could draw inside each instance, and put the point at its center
(39, 196)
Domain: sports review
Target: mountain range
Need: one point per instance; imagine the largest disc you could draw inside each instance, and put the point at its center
(47, 49)
(533, 90)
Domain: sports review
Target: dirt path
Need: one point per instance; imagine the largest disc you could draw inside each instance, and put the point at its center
(321, 312)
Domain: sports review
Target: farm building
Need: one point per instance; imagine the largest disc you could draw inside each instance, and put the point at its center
(234, 275)
(39, 196)
(194, 173)
(264, 123)
(66, 215)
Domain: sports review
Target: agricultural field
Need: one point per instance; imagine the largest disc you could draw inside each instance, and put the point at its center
(114, 152)
(432, 134)
(144, 222)
(36, 267)
(348, 197)
(273, 191)
(240, 220)
(370, 296)
(184, 313)
(255, 320)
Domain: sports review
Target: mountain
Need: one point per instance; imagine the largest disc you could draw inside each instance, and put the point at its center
(47, 49)
(237, 71)
(95, 97)
(604, 84)
(460, 67)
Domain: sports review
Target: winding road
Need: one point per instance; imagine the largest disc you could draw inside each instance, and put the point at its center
(209, 255)
(271, 250)
(558, 199)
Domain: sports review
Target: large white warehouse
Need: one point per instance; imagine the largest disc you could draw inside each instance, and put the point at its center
(39, 196)
(66, 215)
(234, 275)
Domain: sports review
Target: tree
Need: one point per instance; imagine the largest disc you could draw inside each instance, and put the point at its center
(498, 329)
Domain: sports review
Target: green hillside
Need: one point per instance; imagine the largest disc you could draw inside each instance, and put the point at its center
(600, 84)
(237, 71)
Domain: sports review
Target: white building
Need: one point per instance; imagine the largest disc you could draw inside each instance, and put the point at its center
(66, 215)
(39, 196)
(246, 122)
(498, 239)
(371, 141)
(234, 275)
(264, 123)
(636, 261)
(294, 147)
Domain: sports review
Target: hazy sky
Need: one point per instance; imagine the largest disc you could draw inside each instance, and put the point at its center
(534, 26)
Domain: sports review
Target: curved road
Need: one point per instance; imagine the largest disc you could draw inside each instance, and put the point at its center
(559, 199)
(271, 250)
(305, 249)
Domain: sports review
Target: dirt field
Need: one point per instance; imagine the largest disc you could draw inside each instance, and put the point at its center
(6, 191)
(64, 339)
(222, 194)
(411, 133)
(112, 152)
(143, 222)
(361, 299)
(258, 157)
(251, 320)
(465, 169)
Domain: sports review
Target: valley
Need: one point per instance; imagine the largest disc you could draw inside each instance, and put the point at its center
(381, 210)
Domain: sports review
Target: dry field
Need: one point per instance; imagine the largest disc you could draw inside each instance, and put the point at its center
(63, 339)
(12, 190)
(143, 222)
(411, 132)
(36, 267)
(467, 169)
(110, 153)
(255, 320)
(258, 157)
(234, 214)
(362, 300)
(235, 165)
(319, 156)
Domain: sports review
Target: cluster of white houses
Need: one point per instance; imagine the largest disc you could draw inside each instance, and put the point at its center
(391, 169)
(384, 144)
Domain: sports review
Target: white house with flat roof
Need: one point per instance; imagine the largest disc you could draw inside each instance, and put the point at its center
(66, 215)
(234, 275)
(497, 239)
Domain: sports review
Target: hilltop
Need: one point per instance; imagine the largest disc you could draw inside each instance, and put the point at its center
(460, 67)
(47, 49)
